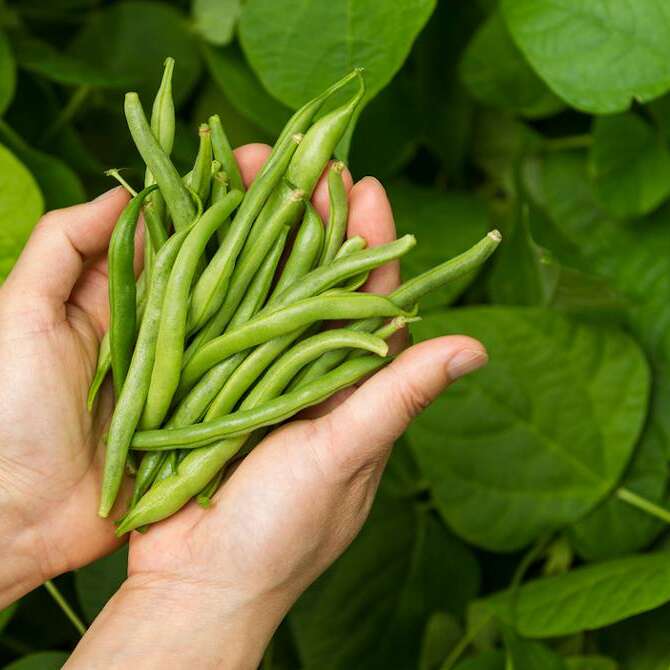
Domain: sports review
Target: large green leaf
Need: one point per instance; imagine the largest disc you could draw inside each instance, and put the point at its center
(216, 20)
(441, 635)
(590, 663)
(489, 660)
(496, 73)
(530, 655)
(587, 598)
(132, 39)
(6, 614)
(530, 443)
(640, 643)
(370, 607)
(630, 165)
(43, 660)
(299, 49)
(97, 582)
(7, 73)
(240, 85)
(446, 224)
(60, 186)
(598, 56)
(21, 205)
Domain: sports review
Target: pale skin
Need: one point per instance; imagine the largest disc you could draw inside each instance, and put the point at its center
(217, 582)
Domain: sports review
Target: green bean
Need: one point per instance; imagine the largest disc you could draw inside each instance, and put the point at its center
(258, 290)
(200, 177)
(305, 252)
(274, 323)
(204, 498)
(264, 414)
(103, 366)
(253, 254)
(172, 329)
(131, 400)
(320, 141)
(122, 288)
(356, 243)
(176, 195)
(116, 174)
(338, 214)
(410, 292)
(147, 472)
(224, 154)
(208, 294)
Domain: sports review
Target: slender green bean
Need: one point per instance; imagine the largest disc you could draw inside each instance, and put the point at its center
(266, 326)
(176, 195)
(103, 366)
(338, 214)
(133, 394)
(353, 244)
(410, 292)
(150, 464)
(305, 252)
(265, 414)
(122, 288)
(172, 329)
(224, 153)
(208, 294)
(204, 498)
(200, 177)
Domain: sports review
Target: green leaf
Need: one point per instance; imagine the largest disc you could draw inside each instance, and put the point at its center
(60, 186)
(630, 165)
(496, 73)
(441, 635)
(132, 39)
(21, 205)
(640, 643)
(446, 224)
(240, 85)
(590, 663)
(43, 660)
(489, 660)
(529, 655)
(6, 614)
(530, 443)
(370, 607)
(216, 20)
(615, 528)
(7, 73)
(284, 41)
(597, 56)
(587, 598)
(40, 57)
(99, 581)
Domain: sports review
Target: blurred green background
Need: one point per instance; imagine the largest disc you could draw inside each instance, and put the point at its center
(547, 472)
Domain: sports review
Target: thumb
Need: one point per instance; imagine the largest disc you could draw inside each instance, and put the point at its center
(363, 428)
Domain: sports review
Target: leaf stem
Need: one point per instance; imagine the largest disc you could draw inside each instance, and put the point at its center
(644, 505)
(116, 174)
(65, 606)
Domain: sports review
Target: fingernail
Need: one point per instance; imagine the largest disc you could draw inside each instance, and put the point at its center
(107, 194)
(466, 361)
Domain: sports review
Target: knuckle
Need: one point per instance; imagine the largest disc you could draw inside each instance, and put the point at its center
(413, 397)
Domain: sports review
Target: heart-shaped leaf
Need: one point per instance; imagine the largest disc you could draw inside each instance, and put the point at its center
(7, 73)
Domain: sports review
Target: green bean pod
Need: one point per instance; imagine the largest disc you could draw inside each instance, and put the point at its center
(320, 141)
(410, 292)
(176, 195)
(266, 413)
(200, 177)
(172, 329)
(204, 498)
(122, 288)
(350, 246)
(102, 368)
(133, 394)
(208, 294)
(274, 323)
(305, 252)
(224, 153)
(338, 214)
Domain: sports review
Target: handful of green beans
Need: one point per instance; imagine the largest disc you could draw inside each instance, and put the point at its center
(220, 337)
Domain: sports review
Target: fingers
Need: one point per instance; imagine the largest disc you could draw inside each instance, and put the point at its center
(377, 413)
(250, 159)
(61, 243)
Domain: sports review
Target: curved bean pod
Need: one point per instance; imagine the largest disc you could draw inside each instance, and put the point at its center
(224, 153)
(131, 400)
(122, 288)
(176, 195)
(267, 326)
(200, 177)
(172, 329)
(265, 414)
(350, 246)
(338, 213)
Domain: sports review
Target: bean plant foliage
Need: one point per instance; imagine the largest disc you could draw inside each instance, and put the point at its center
(522, 522)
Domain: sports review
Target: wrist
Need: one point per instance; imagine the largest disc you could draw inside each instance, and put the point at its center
(151, 622)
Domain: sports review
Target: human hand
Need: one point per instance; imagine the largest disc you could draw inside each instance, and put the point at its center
(53, 312)
(223, 578)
